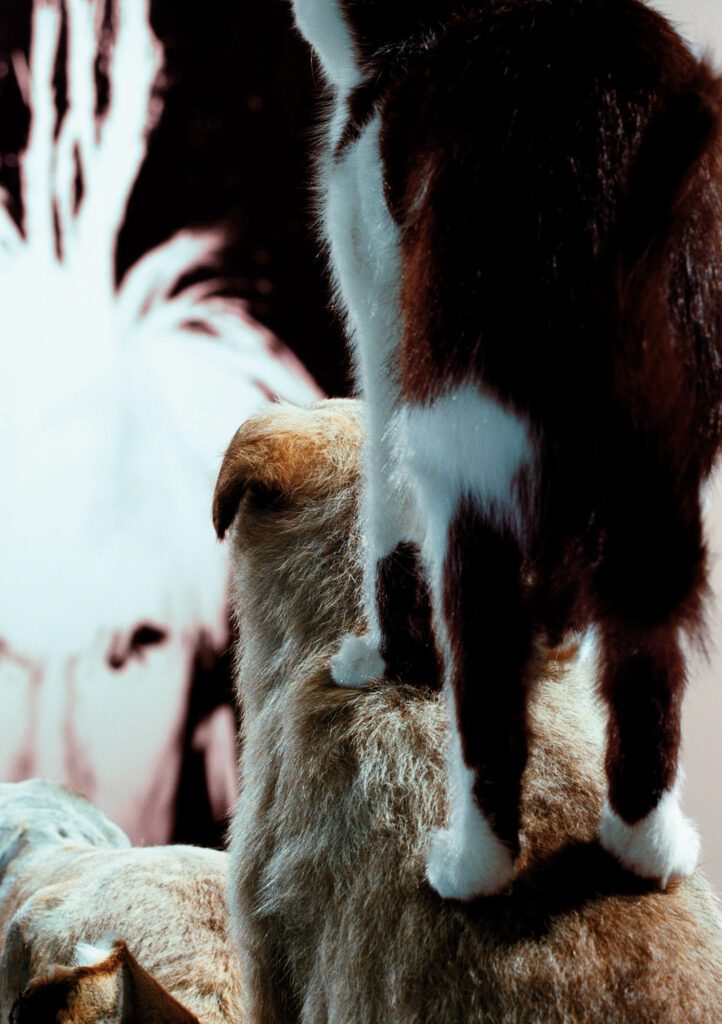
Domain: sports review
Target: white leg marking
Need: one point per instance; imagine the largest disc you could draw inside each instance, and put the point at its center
(364, 242)
(464, 444)
(358, 662)
(466, 859)
(663, 845)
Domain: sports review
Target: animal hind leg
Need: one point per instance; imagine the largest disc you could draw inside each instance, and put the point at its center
(403, 601)
(643, 679)
(400, 646)
(489, 641)
(642, 823)
(399, 641)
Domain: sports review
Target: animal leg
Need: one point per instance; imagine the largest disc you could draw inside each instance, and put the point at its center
(642, 823)
(489, 646)
(649, 588)
(362, 659)
(399, 642)
(404, 608)
(402, 646)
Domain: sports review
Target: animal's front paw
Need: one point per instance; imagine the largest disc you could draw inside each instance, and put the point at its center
(664, 845)
(462, 870)
(357, 663)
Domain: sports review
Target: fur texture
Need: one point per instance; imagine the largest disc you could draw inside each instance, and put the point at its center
(331, 912)
(94, 930)
(522, 210)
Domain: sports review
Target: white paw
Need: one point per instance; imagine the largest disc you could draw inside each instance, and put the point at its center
(663, 845)
(459, 870)
(357, 663)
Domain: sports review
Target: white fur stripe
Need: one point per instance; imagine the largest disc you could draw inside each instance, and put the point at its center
(323, 24)
(466, 444)
(364, 243)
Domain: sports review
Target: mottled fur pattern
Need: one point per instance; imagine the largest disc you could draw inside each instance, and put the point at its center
(331, 912)
(521, 202)
(93, 930)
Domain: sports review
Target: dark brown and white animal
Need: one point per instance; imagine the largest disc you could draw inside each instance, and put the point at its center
(333, 918)
(521, 202)
(93, 930)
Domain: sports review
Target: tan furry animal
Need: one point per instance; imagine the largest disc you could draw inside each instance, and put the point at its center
(92, 930)
(332, 915)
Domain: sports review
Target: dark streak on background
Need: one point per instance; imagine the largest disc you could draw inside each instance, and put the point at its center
(233, 146)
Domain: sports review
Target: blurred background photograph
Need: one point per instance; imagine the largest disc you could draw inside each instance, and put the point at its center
(160, 281)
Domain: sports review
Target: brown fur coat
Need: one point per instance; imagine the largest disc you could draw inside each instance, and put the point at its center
(94, 931)
(333, 918)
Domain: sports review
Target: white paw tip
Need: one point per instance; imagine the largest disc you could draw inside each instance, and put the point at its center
(463, 872)
(357, 663)
(664, 845)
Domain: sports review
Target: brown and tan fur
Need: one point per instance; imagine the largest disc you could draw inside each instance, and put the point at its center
(331, 912)
(157, 916)
(117, 989)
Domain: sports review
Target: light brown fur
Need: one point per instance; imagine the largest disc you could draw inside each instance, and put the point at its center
(157, 914)
(117, 990)
(340, 788)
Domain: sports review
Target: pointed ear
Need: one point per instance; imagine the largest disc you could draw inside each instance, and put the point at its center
(254, 463)
(284, 455)
(144, 999)
(116, 989)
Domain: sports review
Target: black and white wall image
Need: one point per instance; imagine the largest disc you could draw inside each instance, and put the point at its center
(129, 354)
